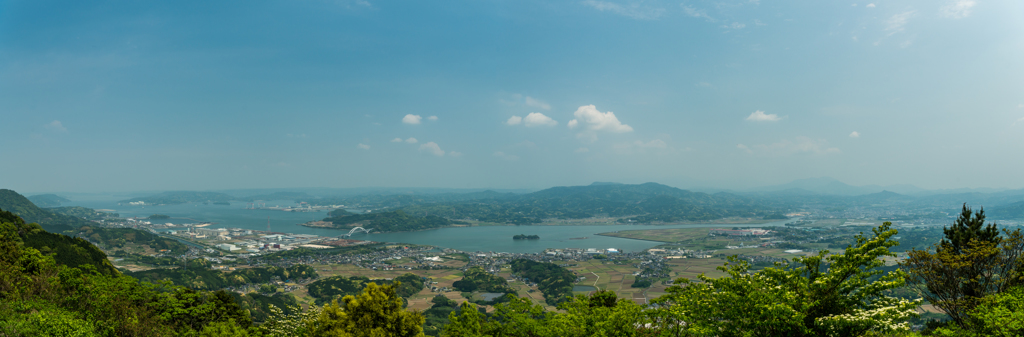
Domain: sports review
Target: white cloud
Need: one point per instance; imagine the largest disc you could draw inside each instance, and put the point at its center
(396, 140)
(896, 23)
(506, 156)
(433, 118)
(800, 145)
(657, 144)
(582, 150)
(598, 121)
(958, 9)
(760, 116)
(870, 5)
(855, 134)
(411, 140)
(735, 25)
(432, 148)
(538, 119)
(514, 120)
(694, 12)
(536, 103)
(635, 10)
(55, 126)
(363, 146)
(455, 153)
(411, 119)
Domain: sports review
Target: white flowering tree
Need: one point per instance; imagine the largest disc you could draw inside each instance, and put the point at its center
(819, 295)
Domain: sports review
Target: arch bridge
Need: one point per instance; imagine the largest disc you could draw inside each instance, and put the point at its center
(356, 230)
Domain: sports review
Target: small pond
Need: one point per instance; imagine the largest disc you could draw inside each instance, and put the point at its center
(490, 296)
(578, 288)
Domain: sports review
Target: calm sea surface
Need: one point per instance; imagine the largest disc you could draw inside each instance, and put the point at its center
(488, 239)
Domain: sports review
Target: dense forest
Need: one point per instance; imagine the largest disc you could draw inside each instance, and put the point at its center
(476, 279)
(197, 274)
(336, 287)
(133, 240)
(553, 281)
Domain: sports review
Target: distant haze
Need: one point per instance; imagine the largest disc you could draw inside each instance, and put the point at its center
(747, 95)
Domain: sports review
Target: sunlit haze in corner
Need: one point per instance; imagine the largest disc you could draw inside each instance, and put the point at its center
(200, 95)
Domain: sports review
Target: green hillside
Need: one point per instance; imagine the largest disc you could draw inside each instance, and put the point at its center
(48, 200)
(51, 222)
(66, 250)
(1011, 211)
(646, 203)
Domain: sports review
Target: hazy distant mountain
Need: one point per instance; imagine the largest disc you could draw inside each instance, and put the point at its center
(831, 186)
(48, 200)
(181, 197)
(1011, 211)
(650, 202)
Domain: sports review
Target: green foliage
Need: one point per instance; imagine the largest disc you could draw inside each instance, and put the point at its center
(967, 228)
(49, 221)
(260, 306)
(81, 212)
(526, 237)
(1001, 314)
(376, 311)
(223, 329)
(396, 221)
(121, 238)
(68, 251)
(847, 298)
(198, 275)
(971, 263)
(553, 281)
(476, 279)
(47, 323)
(336, 287)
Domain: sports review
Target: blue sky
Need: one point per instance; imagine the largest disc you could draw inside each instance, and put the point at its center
(123, 96)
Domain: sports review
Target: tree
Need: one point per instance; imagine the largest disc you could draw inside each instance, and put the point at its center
(966, 228)
(818, 295)
(973, 261)
(375, 312)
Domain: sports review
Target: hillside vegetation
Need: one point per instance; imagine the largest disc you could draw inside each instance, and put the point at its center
(51, 222)
(48, 200)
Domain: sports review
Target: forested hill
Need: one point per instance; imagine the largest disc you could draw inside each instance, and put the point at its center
(50, 221)
(648, 202)
(66, 250)
(48, 200)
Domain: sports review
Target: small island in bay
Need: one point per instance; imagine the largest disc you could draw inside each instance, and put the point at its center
(526, 237)
(159, 216)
